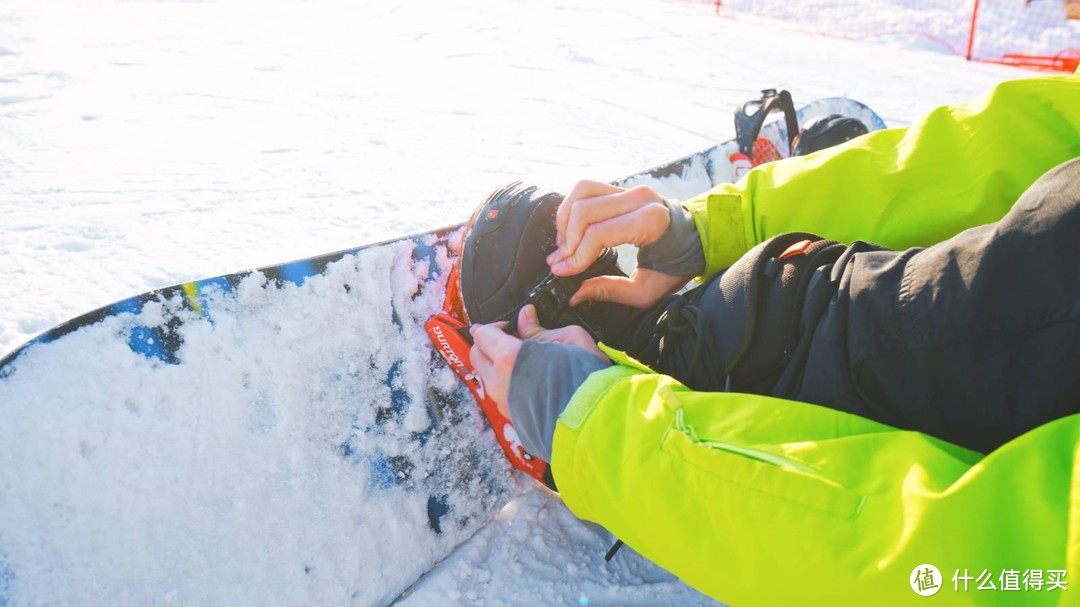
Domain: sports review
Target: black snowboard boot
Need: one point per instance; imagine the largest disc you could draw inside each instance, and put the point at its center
(825, 132)
(503, 267)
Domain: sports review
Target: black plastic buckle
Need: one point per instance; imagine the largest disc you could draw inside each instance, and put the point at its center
(552, 301)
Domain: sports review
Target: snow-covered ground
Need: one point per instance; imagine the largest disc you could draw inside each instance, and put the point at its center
(150, 142)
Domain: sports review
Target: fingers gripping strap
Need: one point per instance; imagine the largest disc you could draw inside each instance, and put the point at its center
(447, 334)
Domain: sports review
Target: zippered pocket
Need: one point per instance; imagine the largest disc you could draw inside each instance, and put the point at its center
(762, 471)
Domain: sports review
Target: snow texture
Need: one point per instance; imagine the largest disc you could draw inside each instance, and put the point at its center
(157, 141)
(292, 446)
(539, 549)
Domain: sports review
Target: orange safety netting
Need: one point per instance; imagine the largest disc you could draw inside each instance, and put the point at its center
(1042, 34)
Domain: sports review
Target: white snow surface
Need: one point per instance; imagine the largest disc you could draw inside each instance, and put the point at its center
(265, 455)
(152, 142)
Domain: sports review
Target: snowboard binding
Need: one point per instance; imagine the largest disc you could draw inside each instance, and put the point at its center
(822, 132)
(502, 265)
(750, 118)
(502, 268)
(552, 299)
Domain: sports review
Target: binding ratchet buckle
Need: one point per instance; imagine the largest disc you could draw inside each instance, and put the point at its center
(552, 301)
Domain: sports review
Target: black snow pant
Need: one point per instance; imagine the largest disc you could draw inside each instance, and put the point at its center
(974, 340)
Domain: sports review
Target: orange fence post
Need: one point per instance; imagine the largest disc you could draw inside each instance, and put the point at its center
(971, 33)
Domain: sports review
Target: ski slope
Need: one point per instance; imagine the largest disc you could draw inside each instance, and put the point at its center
(152, 142)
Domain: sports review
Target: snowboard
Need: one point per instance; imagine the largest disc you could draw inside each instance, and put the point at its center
(290, 428)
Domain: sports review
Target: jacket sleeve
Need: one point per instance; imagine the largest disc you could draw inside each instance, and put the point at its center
(960, 166)
(761, 501)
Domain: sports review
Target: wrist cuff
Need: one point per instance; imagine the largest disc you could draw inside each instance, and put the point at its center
(678, 251)
(545, 376)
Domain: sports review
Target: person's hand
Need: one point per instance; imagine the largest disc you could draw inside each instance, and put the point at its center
(595, 216)
(494, 352)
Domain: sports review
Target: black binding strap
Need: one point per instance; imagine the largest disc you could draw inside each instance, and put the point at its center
(750, 118)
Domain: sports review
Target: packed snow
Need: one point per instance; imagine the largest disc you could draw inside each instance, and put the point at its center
(295, 418)
(154, 142)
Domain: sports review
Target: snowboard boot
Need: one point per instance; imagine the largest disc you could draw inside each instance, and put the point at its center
(825, 132)
(503, 268)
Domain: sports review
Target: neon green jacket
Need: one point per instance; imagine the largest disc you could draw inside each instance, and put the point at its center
(762, 501)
